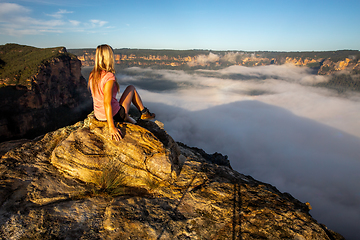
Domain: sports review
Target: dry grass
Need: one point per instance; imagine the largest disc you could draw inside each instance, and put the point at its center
(152, 183)
(111, 180)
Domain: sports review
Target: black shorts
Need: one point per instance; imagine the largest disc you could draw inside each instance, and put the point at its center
(120, 115)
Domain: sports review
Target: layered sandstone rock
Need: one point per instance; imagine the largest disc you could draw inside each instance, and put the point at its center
(141, 155)
(330, 67)
(167, 191)
(54, 97)
(302, 62)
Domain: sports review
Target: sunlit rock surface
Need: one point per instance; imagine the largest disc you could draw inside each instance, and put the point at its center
(53, 188)
(141, 154)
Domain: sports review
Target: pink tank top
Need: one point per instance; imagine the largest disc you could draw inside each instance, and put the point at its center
(98, 98)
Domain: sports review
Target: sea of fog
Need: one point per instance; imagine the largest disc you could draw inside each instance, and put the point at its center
(273, 124)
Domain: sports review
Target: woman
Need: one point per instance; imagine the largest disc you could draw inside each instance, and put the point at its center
(103, 86)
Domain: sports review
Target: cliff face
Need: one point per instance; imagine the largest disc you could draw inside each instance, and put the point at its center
(325, 63)
(75, 183)
(54, 97)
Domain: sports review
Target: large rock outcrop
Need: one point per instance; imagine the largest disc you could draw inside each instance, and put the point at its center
(56, 95)
(75, 183)
(141, 156)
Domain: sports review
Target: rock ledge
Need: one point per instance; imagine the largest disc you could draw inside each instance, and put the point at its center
(54, 187)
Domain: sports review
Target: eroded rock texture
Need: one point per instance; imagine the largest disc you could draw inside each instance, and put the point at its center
(140, 155)
(53, 188)
(55, 97)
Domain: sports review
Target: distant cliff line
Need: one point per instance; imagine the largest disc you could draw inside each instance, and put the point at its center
(325, 63)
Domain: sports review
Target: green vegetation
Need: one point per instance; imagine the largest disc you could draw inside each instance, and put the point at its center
(327, 68)
(160, 52)
(111, 180)
(19, 63)
(316, 65)
(332, 55)
(152, 183)
(342, 83)
(147, 52)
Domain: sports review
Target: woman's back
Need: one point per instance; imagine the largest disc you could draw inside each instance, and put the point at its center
(98, 96)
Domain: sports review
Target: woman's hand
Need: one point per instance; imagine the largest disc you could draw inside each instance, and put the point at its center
(115, 133)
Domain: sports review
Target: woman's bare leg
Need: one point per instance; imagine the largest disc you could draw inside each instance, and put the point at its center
(130, 95)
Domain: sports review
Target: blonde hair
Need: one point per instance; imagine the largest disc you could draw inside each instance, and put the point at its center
(104, 61)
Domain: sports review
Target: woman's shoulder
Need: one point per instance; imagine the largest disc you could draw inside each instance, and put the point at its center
(107, 76)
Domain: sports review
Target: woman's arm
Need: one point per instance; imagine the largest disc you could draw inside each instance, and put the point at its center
(114, 132)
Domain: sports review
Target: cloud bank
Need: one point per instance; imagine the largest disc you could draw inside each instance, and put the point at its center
(231, 57)
(273, 124)
(204, 59)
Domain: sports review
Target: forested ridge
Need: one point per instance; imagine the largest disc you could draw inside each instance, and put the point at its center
(18, 63)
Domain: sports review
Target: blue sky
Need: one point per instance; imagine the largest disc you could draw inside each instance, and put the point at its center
(253, 25)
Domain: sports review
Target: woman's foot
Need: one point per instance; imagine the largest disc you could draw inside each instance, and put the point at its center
(147, 115)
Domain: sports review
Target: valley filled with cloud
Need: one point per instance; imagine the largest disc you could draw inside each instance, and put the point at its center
(273, 124)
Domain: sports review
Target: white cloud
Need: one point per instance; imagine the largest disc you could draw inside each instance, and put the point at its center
(97, 23)
(7, 9)
(231, 57)
(273, 126)
(74, 22)
(204, 59)
(16, 20)
(60, 13)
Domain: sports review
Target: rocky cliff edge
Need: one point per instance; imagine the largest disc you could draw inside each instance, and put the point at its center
(40, 90)
(75, 183)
